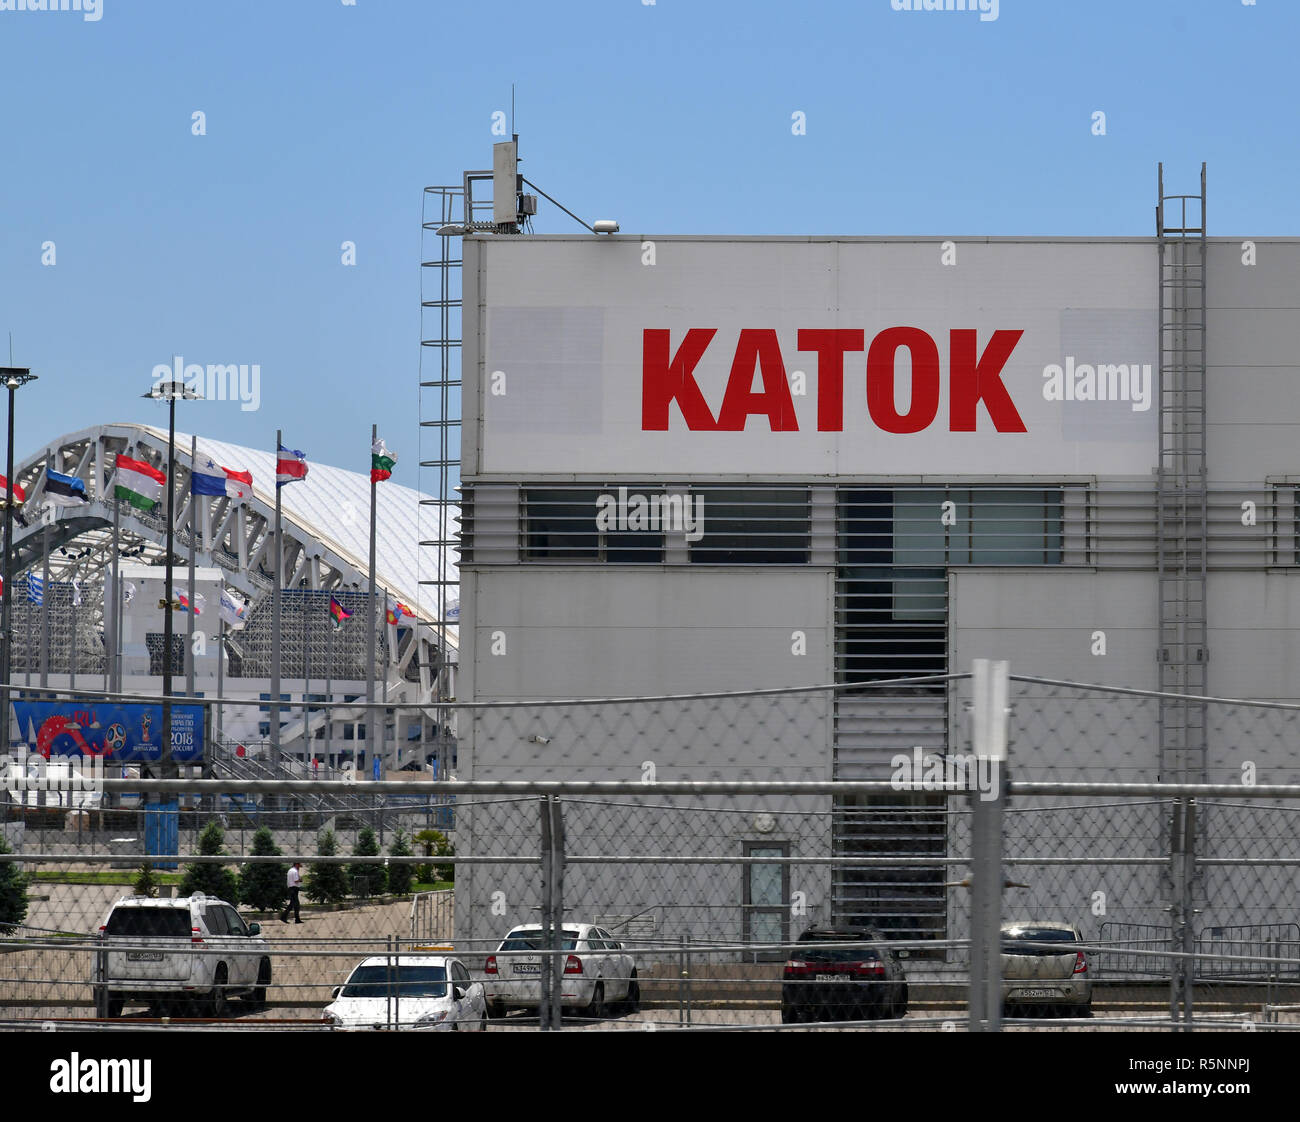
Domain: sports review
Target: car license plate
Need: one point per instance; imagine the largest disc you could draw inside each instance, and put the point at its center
(1037, 993)
(144, 956)
(833, 978)
(528, 968)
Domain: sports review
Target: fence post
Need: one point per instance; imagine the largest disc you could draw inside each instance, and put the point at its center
(989, 739)
(548, 959)
(1182, 859)
(557, 907)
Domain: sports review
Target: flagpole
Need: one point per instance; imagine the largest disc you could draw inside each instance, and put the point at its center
(371, 739)
(189, 648)
(221, 676)
(45, 586)
(329, 687)
(306, 676)
(113, 629)
(76, 595)
(275, 621)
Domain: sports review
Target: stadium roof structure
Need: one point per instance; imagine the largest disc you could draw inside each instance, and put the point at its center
(325, 521)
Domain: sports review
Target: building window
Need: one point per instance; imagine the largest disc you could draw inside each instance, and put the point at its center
(766, 913)
(753, 526)
(623, 524)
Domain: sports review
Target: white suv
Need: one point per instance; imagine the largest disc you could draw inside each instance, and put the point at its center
(162, 953)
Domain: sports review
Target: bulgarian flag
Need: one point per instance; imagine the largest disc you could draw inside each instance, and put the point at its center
(139, 483)
(336, 610)
(381, 462)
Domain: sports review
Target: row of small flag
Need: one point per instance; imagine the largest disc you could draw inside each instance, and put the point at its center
(234, 611)
(141, 484)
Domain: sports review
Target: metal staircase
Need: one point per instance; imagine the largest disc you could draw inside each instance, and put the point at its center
(1181, 489)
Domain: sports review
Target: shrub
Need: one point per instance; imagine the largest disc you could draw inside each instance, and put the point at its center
(211, 879)
(13, 889)
(262, 885)
(368, 846)
(399, 875)
(326, 884)
(435, 844)
(146, 884)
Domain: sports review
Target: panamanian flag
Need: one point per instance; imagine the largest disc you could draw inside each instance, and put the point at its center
(290, 466)
(210, 478)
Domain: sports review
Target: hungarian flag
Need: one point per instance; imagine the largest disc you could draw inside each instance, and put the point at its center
(19, 493)
(65, 490)
(210, 478)
(381, 462)
(336, 610)
(290, 466)
(395, 610)
(139, 483)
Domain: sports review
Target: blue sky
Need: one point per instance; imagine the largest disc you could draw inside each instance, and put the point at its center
(325, 120)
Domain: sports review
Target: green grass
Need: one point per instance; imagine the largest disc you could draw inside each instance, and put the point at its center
(435, 886)
(107, 876)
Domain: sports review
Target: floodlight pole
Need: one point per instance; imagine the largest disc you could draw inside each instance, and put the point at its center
(13, 377)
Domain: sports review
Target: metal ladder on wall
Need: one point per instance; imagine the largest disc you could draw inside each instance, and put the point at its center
(1181, 517)
(1181, 488)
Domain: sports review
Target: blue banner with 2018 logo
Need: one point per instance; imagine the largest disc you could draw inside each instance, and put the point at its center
(127, 733)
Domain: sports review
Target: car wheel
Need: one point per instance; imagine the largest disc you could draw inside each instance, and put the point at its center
(496, 1010)
(219, 1002)
(633, 1001)
(596, 1007)
(257, 995)
(902, 1002)
(482, 1021)
(790, 1015)
(113, 1006)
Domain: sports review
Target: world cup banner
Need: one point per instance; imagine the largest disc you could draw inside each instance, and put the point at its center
(126, 733)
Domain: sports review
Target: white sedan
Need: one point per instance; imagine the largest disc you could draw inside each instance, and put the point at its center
(409, 991)
(595, 971)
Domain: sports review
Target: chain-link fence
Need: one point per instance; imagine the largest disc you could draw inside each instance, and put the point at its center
(670, 862)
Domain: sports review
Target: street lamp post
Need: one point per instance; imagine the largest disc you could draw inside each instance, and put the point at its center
(169, 391)
(13, 377)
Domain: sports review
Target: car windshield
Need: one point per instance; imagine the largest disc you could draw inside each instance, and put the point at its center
(531, 940)
(401, 981)
(1014, 940)
(153, 923)
(836, 954)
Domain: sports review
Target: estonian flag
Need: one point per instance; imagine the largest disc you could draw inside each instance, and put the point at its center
(65, 490)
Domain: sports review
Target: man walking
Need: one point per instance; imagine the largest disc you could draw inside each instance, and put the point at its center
(295, 882)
